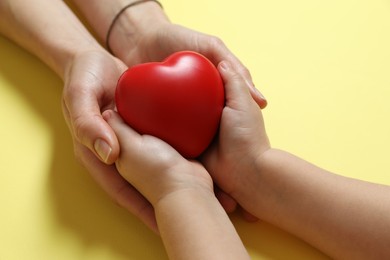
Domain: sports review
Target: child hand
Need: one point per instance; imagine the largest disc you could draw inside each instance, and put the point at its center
(242, 137)
(152, 166)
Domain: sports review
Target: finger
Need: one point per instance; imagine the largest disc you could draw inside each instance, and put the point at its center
(257, 96)
(118, 188)
(248, 216)
(132, 147)
(90, 129)
(125, 134)
(227, 202)
(210, 46)
(88, 89)
(236, 91)
(217, 51)
(138, 148)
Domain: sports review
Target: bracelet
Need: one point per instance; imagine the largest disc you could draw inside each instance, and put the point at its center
(119, 14)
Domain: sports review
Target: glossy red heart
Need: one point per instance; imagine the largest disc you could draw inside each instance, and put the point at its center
(179, 100)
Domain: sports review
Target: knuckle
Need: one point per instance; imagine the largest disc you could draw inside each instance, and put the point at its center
(82, 127)
(119, 165)
(70, 92)
(244, 71)
(79, 127)
(78, 156)
(79, 153)
(237, 76)
(216, 42)
(117, 196)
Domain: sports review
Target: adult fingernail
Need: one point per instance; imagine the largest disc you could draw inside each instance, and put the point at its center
(259, 93)
(103, 149)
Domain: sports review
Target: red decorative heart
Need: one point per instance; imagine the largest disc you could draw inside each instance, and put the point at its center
(179, 100)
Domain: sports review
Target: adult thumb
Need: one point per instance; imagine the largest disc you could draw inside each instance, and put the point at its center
(91, 130)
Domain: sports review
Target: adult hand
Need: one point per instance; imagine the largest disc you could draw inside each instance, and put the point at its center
(89, 89)
(164, 38)
(181, 192)
(144, 33)
(241, 137)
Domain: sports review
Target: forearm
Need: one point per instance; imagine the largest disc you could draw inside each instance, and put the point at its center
(128, 28)
(47, 29)
(343, 217)
(193, 225)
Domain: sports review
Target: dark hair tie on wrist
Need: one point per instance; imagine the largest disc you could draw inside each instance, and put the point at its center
(116, 17)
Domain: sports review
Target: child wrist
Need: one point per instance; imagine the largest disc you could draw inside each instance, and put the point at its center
(182, 196)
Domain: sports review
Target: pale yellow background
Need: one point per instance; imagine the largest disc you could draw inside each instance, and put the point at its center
(323, 65)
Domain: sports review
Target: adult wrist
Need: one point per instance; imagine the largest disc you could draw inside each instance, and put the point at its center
(72, 53)
(133, 24)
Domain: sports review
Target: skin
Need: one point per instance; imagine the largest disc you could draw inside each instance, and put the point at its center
(343, 217)
(273, 185)
(71, 51)
(142, 33)
(191, 221)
